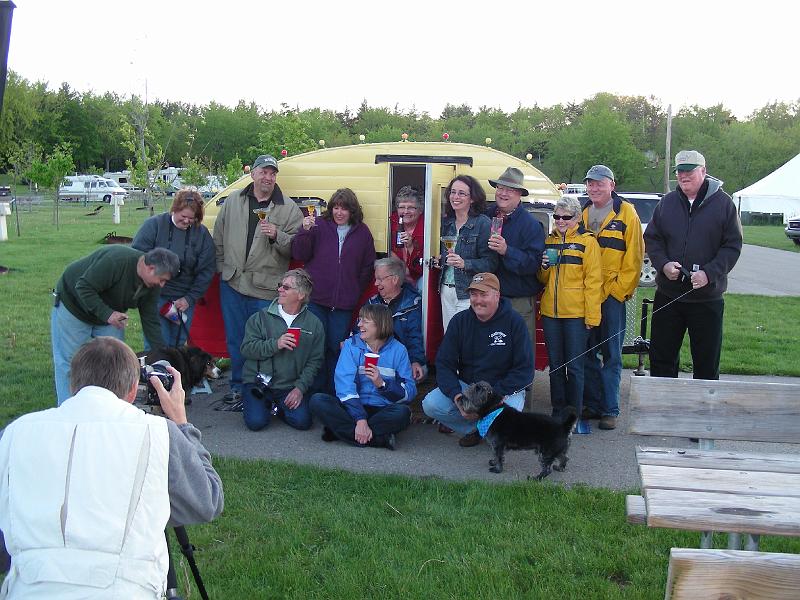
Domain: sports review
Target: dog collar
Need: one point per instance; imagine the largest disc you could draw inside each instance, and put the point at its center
(486, 422)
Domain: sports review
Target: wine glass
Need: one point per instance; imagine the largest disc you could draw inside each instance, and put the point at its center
(449, 242)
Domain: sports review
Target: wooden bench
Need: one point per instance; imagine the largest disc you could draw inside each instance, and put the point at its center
(732, 574)
(709, 411)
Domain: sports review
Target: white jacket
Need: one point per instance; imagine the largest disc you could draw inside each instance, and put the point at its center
(84, 500)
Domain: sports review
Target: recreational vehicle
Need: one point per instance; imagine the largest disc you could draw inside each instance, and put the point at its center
(89, 188)
(376, 172)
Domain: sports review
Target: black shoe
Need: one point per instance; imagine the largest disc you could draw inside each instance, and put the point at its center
(391, 441)
(469, 440)
(588, 413)
(328, 435)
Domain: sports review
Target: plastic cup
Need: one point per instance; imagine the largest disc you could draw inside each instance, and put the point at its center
(497, 226)
(370, 359)
(295, 331)
(552, 255)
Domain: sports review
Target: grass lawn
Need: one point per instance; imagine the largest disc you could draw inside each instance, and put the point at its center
(771, 236)
(303, 532)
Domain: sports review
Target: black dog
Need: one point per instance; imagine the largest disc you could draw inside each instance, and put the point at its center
(191, 362)
(514, 430)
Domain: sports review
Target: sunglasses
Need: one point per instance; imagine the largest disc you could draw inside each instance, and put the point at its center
(563, 217)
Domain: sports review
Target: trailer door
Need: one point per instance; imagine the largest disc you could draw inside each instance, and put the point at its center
(437, 177)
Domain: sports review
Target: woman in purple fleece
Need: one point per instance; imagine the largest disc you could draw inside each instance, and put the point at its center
(338, 252)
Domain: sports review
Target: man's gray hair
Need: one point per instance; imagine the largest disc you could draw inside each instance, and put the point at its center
(394, 265)
(104, 362)
(569, 204)
(303, 282)
(408, 192)
(163, 261)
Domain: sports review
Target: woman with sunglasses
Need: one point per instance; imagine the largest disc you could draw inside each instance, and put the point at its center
(570, 304)
(465, 222)
(180, 230)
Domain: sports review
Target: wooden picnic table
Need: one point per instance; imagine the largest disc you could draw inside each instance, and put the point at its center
(713, 490)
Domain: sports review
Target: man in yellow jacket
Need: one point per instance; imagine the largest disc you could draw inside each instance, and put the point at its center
(618, 230)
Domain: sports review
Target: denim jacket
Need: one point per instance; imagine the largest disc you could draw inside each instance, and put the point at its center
(473, 246)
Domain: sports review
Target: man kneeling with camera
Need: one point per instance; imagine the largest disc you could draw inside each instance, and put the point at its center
(87, 489)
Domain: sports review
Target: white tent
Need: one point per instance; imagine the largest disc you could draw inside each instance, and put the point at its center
(778, 192)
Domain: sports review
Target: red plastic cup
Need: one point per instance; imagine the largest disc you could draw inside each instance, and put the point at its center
(295, 331)
(370, 359)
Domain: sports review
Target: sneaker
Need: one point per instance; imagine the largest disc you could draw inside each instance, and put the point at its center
(469, 440)
(232, 397)
(588, 413)
(608, 422)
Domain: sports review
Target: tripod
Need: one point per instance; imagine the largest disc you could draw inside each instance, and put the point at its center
(187, 549)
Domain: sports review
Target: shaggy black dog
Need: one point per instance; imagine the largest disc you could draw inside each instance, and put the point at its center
(191, 362)
(514, 430)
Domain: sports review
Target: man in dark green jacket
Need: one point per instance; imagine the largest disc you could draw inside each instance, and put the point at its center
(93, 295)
(286, 342)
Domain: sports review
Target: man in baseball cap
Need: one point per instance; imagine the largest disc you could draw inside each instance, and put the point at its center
(253, 236)
(488, 342)
(693, 240)
(618, 230)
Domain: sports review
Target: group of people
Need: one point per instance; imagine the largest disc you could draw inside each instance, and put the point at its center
(493, 262)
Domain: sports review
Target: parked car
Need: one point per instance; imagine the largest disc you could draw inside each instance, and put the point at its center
(793, 230)
(89, 188)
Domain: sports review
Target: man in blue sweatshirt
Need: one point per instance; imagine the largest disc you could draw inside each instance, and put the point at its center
(488, 342)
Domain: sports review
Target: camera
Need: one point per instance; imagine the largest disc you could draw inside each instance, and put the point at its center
(261, 385)
(159, 369)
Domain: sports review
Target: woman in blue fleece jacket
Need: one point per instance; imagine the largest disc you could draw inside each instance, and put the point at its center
(371, 403)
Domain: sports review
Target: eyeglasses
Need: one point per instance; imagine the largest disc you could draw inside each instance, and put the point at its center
(563, 217)
(459, 193)
(283, 286)
(379, 279)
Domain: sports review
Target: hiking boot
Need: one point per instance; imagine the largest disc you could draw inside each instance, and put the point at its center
(608, 422)
(469, 440)
(232, 397)
(444, 428)
(588, 413)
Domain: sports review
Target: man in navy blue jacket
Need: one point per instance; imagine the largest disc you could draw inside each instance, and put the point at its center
(520, 246)
(488, 342)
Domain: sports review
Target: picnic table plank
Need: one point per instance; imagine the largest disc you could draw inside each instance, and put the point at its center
(727, 481)
(716, 511)
(718, 459)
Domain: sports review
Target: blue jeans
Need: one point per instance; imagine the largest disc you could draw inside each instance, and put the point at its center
(170, 330)
(601, 379)
(68, 333)
(236, 310)
(438, 406)
(383, 420)
(566, 340)
(258, 412)
(336, 324)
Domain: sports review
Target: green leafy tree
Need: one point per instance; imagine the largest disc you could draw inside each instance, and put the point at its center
(233, 170)
(194, 172)
(284, 130)
(50, 172)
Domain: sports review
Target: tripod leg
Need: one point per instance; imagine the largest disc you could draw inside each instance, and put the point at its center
(172, 580)
(187, 549)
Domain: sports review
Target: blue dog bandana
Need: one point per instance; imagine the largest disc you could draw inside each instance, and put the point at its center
(486, 422)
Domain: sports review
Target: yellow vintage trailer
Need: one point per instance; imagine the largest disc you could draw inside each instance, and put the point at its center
(375, 172)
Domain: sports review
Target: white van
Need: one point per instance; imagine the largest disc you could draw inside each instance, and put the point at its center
(89, 188)
(122, 179)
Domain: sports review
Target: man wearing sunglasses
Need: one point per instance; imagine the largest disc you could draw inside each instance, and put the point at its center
(694, 240)
(616, 225)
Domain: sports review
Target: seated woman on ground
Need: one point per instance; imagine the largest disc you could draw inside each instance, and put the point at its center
(371, 402)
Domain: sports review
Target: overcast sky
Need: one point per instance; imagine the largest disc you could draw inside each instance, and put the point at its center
(413, 53)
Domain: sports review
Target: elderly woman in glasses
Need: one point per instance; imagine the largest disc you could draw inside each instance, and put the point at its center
(466, 223)
(572, 275)
(181, 230)
(408, 231)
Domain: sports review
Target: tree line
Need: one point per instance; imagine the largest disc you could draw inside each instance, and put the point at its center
(110, 132)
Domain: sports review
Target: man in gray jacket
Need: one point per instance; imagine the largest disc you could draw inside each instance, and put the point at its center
(253, 237)
(693, 240)
(87, 489)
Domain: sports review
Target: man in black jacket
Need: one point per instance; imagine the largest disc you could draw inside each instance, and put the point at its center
(694, 240)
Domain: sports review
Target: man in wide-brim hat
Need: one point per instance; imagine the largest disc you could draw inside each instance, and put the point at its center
(520, 246)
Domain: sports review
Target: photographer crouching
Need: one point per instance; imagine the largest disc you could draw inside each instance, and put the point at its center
(88, 488)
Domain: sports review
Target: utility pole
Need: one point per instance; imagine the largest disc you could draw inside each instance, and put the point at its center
(668, 151)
